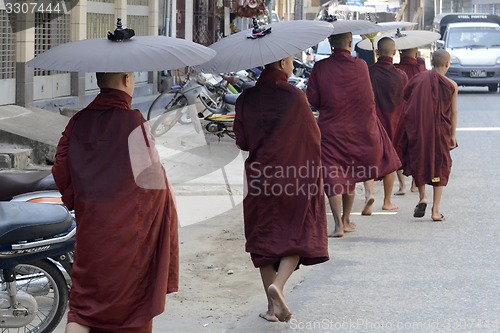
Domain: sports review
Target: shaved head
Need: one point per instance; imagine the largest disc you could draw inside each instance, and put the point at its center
(121, 81)
(386, 47)
(109, 80)
(412, 53)
(341, 41)
(440, 58)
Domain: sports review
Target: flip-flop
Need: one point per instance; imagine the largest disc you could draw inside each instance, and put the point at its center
(420, 209)
(442, 218)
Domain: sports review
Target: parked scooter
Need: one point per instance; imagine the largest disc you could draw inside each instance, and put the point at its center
(37, 240)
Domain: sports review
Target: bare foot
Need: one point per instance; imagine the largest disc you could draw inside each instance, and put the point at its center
(438, 218)
(268, 316)
(401, 191)
(368, 207)
(414, 187)
(281, 310)
(349, 227)
(390, 206)
(336, 234)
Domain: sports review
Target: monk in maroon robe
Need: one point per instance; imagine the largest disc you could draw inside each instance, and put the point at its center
(430, 130)
(354, 145)
(388, 83)
(409, 62)
(284, 208)
(126, 255)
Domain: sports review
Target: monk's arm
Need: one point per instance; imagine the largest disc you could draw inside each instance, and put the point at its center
(454, 116)
(312, 90)
(60, 169)
(238, 129)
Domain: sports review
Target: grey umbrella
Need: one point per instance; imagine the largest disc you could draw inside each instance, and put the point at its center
(261, 46)
(357, 27)
(404, 39)
(139, 53)
(364, 27)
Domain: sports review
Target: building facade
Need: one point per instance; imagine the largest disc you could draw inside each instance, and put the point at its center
(26, 34)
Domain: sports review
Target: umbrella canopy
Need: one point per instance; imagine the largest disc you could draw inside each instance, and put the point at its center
(357, 27)
(396, 25)
(405, 39)
(278, 41)
(364, 27)
(140, 53)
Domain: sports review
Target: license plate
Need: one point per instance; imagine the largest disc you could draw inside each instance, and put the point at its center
(477, 73)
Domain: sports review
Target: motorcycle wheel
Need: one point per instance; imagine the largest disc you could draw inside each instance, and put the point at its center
(52, 302)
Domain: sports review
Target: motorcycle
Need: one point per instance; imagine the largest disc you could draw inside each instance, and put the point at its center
(37, 239)
(220, 121)
(183, 103)
(207, 99)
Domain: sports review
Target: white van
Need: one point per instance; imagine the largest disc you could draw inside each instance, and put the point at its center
(474, 48)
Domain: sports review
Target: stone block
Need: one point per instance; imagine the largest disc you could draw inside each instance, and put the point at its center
(20, 158)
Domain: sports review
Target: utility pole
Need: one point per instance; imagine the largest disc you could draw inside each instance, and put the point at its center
(299, 10)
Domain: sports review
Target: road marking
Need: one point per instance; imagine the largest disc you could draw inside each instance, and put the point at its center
(374, 213)
(478, 129)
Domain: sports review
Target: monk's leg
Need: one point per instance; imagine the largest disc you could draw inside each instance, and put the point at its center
(347, 203)
(422, 195)
(436, 200)
(369, 197)
(275, 290)
(419, 210)
(268, 275)
(76, 328)
(414, 187)
(402, 183)
(336, 206)
(388, 185)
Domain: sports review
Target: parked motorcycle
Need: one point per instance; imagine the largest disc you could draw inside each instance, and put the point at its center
(37, 239)
(208, 100)
(220, 121)
(184, 103)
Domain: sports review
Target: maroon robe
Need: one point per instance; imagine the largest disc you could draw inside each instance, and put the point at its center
(284, 208)
(126, 255)
(388, 83)
(410, 66)
(355, 146)
(427, 140)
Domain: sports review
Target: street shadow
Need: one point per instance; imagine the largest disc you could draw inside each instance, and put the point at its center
(200, 161)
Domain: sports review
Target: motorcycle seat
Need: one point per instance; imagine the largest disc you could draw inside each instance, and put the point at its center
(230, 98)
(248, 84)
(24, 221)
(18, 182)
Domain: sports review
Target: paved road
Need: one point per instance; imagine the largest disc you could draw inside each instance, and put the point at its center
(400, 274)
(395, 273)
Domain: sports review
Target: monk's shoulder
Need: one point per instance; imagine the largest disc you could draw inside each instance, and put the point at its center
(288, 89)
(453, 83)
(359, 62)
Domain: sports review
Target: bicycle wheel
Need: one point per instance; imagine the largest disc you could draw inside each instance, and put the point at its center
(166, 121)
(164, 101)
